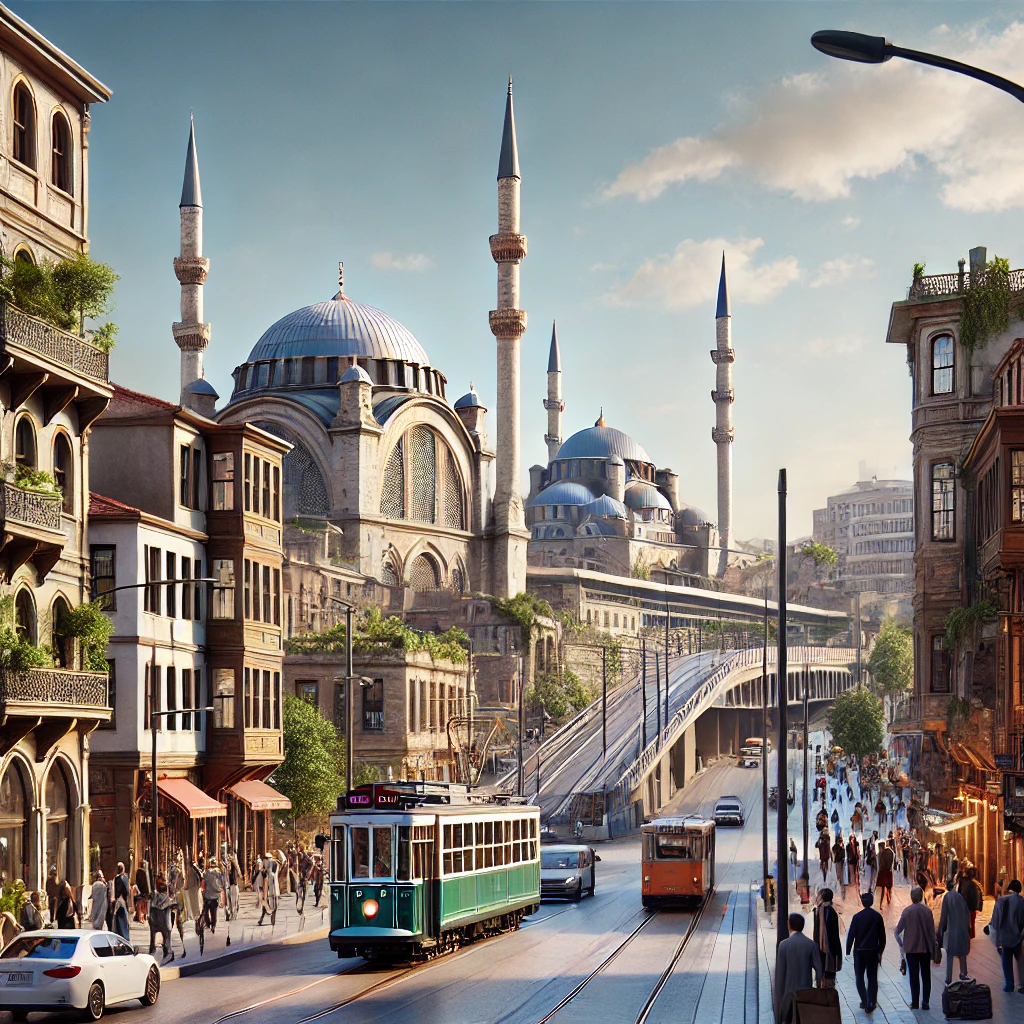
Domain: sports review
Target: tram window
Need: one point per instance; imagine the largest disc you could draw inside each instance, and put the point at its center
(406, 867)
(674, 848)
(382, 852)
(360, 851)
(338, 873)
(489, 844)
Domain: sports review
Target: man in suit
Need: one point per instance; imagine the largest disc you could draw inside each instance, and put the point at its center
(866, 937)
(915, 932)
(796, 958)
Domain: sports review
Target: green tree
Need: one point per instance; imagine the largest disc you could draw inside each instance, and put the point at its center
(313, 771)
(560, 694)
(892, 659)
(855, 721)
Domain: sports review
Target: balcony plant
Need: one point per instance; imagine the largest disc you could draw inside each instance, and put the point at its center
(17, 653)
(29, 479)
(93, 630)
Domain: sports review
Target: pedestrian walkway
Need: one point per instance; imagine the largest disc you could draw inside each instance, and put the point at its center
(241, 937)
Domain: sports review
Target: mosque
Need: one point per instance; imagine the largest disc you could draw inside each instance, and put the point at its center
(410, 485)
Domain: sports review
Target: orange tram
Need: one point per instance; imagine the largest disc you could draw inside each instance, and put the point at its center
(677, 861)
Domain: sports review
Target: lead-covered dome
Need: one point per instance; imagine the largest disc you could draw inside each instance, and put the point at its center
(601, 443)
(339, 327)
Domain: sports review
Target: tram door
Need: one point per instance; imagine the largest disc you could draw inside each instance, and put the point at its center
(709, 859)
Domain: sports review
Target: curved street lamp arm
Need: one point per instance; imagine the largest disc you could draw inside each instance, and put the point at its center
(935, 61)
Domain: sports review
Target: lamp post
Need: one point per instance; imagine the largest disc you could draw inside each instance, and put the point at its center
(350, 680)
(805, 874)
(865, 49)
(154, 798)
(781, 853)
(764, 754)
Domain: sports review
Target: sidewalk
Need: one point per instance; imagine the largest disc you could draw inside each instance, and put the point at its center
(241, 937)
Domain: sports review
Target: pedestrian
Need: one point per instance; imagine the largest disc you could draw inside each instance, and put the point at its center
(176, 891)
(884, 880)
(318, 879)
(159, 915)
(824, 849)
(100, 900)
(193, 888)
(270, 890)
(1007, 931)
(792, 853)
(880, 811)
(234, 874)
(69, 915)
(796, 959)
(853, 860)
(32, 913)
(143, 890)
(915, 933)
(826, 937)
(53, 892)
(866, 937)
(954, 932)
(122, 898)
(839, 859)
(870, 862)
(971, 891)
(212, 892)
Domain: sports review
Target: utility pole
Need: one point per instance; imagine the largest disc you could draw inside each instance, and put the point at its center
(349, 700)
(856, 599)
(520, 775)
(643, 693)
(764, 755)
(657, 694)
(805, 874)
(782, 849)
(604, 703)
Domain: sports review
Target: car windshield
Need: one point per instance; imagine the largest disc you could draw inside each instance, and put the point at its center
(727, 808)
(566, 861)
(42, 947)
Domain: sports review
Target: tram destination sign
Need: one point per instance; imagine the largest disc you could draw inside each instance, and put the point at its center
(373, 797)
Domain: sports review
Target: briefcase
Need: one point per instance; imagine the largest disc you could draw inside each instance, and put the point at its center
(816, 1006)
(967, 1000)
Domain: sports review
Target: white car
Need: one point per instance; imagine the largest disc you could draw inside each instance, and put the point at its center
(74, 968)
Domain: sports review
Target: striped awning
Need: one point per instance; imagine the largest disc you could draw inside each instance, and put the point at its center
(260, 797)
(191, 799)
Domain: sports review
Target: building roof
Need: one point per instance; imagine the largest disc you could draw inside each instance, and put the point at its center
(641, 494)
(355, 372)
(339, 327)
(470, 400)
(202, 387)
(723, 294)
(565, 492)
(693, 516)
(100, 505)
(600, 443)
(123, 394)
(606, 506)
(191, 193)
(508, 161)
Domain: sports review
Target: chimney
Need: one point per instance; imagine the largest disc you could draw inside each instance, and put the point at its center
(979, 257)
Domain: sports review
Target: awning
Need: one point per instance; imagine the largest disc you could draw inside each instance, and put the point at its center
(191, 799)
(260, 797)
(952, 826)
(971, 757)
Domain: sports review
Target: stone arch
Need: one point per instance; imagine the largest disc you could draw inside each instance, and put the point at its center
(458, 579)
(18, 801)
(304, 486)
(61, 798)
(391, 569)
(424, 573)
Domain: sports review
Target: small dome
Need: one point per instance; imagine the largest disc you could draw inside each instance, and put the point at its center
(339, 327)
(606, 507)
(470, 400)
(601, 443)
(355, 372)
(640, 494)
(564, 492)
(693, 516)
(202, 387)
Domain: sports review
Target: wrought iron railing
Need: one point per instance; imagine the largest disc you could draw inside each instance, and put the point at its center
(33, 508)
(940, 285)
(77, 354)
(54, 686)
(922, 707)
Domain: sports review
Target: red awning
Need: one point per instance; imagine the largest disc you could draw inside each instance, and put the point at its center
(260, 797)
(191, 799)
(971, 757)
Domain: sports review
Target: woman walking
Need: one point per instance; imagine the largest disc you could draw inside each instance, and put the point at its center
(69, 915)
(954, 932)
(100, 900)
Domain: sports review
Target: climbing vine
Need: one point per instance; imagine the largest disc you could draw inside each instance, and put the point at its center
(986, 309)
(962, 624)
(523, 610)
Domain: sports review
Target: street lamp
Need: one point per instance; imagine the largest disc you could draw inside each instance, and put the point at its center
(350, 680)
(153, 716)
(865, 49)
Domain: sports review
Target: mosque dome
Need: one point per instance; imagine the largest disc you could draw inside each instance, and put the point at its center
(339, 327)
(564, 492)
(606, 507)
(470, 400)
(640, 494)
(693, 516)
(601, 442)
(355, 372)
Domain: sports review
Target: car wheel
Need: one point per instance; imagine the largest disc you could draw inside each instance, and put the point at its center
(152, 993)
(96, 1003)
(578, 895)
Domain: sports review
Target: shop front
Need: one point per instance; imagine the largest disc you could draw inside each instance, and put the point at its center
(190, 821)
(250, 807)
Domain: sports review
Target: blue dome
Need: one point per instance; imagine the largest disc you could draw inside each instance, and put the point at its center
(600, 443)
(355, 372)
(607, 507)
(640, 494)
(470, 400)
(565, 492)
(339, 327)
(202, 387)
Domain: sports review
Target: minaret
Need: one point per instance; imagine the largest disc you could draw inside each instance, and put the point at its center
(553, 403)
(508, 322)
(723, 356)
(191, 267)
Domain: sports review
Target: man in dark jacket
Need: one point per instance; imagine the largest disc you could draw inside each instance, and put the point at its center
(826, 938)
(915, 932)
(797, 964)
(866, 937)
(971, 891)
(1007, 928)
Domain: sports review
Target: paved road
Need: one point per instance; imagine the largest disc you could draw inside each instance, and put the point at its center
(578, 762)
(518, 978)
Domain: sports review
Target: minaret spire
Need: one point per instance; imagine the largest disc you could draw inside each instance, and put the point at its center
(723, 356)
(508, 323)
(192, 335)
(553, 403)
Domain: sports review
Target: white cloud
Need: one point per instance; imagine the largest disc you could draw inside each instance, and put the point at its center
(833, 345)
(850, 223)
(841, 269)
(414, 262)
(689, 275)
(813, 135)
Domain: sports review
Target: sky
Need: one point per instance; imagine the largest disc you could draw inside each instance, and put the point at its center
(652, 137)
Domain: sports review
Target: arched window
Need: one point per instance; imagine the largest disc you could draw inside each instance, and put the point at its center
(303, 486)
(422, 475)
(60, 154)
(25, 443)
(13, 825)
(453, 516)
(58, 816)
(388, 573)
(942, 365)
(24, 255)
(24, 126)
(25, 615)
(458, 579)
(64, 471)
(423, 574)
(58, 629)
(392, 492)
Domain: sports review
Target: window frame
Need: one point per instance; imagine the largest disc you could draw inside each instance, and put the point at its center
(1017, 485)
(943, 368)
(62, 167)
(94, 550)
(24, 129)
(64, 478)
(943, 517)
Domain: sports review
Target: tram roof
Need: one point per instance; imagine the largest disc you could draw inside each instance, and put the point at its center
(694, 821)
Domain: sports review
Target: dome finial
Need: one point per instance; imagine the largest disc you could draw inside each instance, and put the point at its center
(341, 279)
(600, 419)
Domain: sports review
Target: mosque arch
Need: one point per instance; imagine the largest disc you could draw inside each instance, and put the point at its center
(422, 481)
(305, 489)
(390, 570)
(424, 573)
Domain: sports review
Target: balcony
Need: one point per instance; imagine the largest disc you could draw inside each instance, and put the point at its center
(22, 333)
(943, 286)
(30, 528)
(921, 713)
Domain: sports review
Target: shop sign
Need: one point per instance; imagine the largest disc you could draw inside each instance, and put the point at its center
(1004, 762)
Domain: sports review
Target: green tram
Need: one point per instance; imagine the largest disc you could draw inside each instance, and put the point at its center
(418, 869)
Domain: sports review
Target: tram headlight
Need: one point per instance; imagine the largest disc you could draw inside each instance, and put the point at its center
(370, 908)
